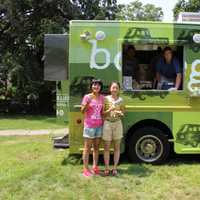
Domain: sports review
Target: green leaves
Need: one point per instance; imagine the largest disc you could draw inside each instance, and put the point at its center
(137, 11)
(23, 24)
(186, 6)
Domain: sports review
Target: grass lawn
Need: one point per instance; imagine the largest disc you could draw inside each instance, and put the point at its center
(31, 169)
(29, 122)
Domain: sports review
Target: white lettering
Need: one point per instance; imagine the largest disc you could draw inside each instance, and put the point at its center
(194, 77)
(118, 61)
(60, 113)
(95, 51)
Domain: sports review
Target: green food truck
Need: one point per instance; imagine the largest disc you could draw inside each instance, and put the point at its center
(156, 119)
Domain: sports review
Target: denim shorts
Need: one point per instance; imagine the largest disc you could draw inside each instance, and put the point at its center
(92, 132)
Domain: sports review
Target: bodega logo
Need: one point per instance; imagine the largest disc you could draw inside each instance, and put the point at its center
(100, 36)
(194, 82)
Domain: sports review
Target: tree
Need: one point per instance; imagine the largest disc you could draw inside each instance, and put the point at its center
(186, 6)
(96, 9)
(137, 11)
(23, 24)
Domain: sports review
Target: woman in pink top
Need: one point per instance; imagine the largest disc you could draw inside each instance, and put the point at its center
(92, 107)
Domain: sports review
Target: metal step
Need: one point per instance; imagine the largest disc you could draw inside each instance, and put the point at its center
(61, 141)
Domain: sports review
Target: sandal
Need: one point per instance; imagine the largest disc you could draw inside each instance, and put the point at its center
(106, 172)
(95, 170)
(114, 172)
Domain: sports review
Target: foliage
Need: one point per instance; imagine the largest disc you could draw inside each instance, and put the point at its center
(137, 11)
(186, 6)
(96, 9)
(23, 24)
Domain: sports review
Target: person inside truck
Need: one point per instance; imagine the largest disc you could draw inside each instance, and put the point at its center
(130, 62)
(168, 71)
(153, 62)
(92, 108)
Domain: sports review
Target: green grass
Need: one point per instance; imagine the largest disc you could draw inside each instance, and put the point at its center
(30, 122)
(31, 169)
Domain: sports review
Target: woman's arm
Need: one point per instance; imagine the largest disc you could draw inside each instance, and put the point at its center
(111, 108)
(121, 110)
(178, 80)
(85, 103)
(84, 108)
(158, 76)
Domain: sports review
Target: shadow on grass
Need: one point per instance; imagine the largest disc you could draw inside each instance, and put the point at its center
(137, 170)
(173, 159)
(176, 159)
(74, 159)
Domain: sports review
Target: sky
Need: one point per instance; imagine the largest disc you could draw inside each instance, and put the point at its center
(166, 5)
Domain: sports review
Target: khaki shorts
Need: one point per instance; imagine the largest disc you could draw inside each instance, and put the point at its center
(112, 130)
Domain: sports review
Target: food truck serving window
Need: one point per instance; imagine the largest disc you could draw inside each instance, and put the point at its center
(152, 67)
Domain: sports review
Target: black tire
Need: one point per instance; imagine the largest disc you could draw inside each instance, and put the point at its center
(148, 145)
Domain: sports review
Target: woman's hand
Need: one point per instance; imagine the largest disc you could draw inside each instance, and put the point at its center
(119, 112)
(112, 108)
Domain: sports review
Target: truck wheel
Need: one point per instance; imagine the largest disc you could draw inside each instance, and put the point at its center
(149, 145)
